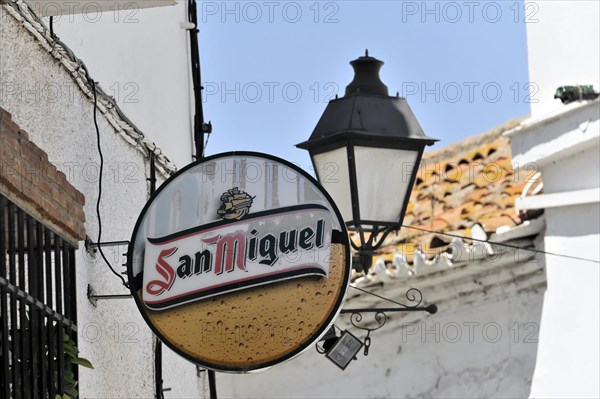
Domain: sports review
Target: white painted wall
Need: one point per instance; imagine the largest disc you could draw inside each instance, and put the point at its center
(140, 57)
(567, 363)
(564, 49)
(484, 350)
(563, 38)
(112, 336)
(566, 149)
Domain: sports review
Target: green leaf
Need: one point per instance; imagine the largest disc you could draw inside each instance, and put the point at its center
(72, 352)
(71, 391)
(83, 362)
(69, 376)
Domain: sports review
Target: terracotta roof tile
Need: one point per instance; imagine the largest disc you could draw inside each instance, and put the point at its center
(467, 183)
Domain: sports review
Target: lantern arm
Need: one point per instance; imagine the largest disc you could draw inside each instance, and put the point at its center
(378, 237)
(375, 240)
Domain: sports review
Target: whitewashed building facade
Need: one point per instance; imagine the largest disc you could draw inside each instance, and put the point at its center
(563, 141)
(45, 92)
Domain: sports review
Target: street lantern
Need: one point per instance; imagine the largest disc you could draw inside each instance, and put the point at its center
(366, 149)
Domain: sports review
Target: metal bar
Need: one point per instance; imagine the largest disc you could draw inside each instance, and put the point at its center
(5, 356)
(60, 359)
(32, 301)
(429, 309)
(39, 262)
(73, 277)
(13, 302)
(59, 309)
(93, 298)
(48, 264)
(158, 376)
(58, 274)
(158, 369)
(66, 291)
(4, 305)
(73, 281)
(212, 384)
(24, 333)
(158, 389)
(353, 190)
(50, 324)
(108, 244)
(96, 297)
(33, 278)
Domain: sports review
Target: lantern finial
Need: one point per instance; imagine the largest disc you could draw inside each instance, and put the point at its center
(366, 76)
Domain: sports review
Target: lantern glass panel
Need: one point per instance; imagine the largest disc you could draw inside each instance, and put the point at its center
(332, 172)
(383, 178)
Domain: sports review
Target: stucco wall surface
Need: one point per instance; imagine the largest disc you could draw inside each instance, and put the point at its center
(45, 102)
(565, 147)
(568, 361)
(141, 56)
(485, 350)
(563, 38)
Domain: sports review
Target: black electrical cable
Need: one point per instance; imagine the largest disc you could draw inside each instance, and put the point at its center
(197, 81)
(206, 144)
(52, 27)
(377, 295)
(100, 187)
(501, 244)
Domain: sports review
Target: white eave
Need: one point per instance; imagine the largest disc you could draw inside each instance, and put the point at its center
(45, 8)
(559, 134)
(526, 229)
(555, 200)
(553, 116)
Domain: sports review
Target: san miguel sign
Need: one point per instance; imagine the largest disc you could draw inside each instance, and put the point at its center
(223, 256)
(239, 262)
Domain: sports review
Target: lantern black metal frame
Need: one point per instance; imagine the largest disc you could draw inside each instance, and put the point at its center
(390, 124)
(378, 229)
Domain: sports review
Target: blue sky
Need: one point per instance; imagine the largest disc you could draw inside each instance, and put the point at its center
(269, 68)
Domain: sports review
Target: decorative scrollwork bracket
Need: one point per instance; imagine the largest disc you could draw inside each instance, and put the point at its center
(414, 297)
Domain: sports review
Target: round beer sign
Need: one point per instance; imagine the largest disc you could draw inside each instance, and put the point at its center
(239, 262)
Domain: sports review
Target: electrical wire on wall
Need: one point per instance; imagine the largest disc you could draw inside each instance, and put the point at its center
(81, 74)
(77, 70)
(101, 170)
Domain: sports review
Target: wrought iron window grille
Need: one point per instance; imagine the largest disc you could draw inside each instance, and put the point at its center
(37, 305)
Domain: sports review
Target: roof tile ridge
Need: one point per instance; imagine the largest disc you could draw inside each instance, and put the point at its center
(473, 142)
